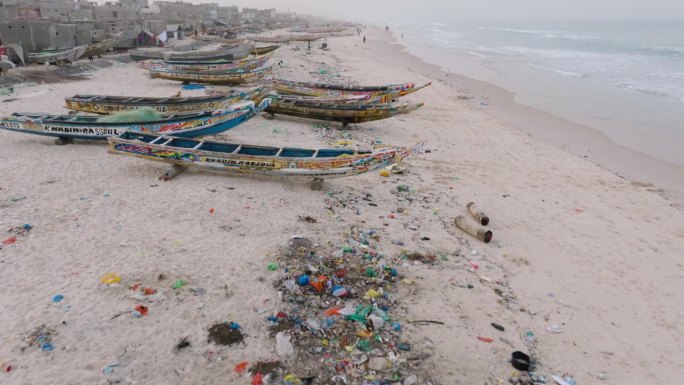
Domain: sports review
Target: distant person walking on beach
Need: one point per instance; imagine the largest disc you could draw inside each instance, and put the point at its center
(364, 40)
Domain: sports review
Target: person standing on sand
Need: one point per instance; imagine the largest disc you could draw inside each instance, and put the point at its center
(364, 40)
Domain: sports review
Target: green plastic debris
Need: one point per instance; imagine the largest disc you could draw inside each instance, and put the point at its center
(178, 284)
(403, 188)
(364, 345)
(360, 314)
(370, 272)
(273, 266)
(347, 249)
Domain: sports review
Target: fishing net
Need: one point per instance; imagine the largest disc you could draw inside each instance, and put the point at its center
(145, 114)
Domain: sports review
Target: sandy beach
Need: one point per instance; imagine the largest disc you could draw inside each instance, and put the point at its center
(584, 271)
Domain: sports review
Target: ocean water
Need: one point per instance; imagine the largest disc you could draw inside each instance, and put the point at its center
(625, 79)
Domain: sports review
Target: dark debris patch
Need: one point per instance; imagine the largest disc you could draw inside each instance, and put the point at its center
(223, 334)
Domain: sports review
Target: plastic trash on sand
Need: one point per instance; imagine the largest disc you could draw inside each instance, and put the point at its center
(283, 346)
(110, 278)
(193, 87)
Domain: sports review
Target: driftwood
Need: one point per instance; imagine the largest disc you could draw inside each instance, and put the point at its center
(473, 229)
(478, 214)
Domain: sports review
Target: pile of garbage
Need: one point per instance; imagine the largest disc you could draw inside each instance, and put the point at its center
(338, 322)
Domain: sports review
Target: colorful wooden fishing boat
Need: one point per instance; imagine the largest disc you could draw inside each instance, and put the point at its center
(99, 48)
(221, 55)
(213, 77)
(285, 38)
(330, 100)
(343, 100)
(344, 114)
(265, 50)
(91, 127)
(61, 56)
(247, 64)
(217, 39)
(144, 54)
(105, 105)
(239, 158)
(383, 93)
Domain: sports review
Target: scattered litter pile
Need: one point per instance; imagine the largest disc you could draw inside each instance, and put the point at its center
(15, 231)
(338, 322)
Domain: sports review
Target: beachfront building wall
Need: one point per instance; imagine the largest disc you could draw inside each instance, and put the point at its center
(33, 35)
(8, 10)
(249, 14)
(285, 16)
(62, 36)
(178, 10)
(230, 15)
(58, 10)
(37, 35)
(135, 3)
(83, 34)
(117, 11)
(266, 14)
(86, 33)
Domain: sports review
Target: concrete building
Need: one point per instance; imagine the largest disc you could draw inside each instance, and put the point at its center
(8, 10)
(36, 35)
(248, 14)
(118, 11)
(57, 10)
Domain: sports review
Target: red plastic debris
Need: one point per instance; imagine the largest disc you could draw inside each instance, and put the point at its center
(333, 311)
(149, 291)
(239, 368)
(258, 379)
(211, 210)
(9, 241)
(485, 339)
(142, 309)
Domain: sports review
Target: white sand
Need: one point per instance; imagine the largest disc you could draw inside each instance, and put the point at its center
(574, 245)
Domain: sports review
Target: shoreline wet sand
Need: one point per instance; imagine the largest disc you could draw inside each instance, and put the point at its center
(576, 138)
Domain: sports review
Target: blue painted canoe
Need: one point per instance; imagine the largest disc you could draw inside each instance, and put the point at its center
(88, 127)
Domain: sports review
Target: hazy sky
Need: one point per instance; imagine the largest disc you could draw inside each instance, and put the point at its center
(450, 10)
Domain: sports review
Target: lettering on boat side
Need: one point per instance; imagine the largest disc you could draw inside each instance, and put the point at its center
(82, 130)
(238, 162)
(11, 125)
